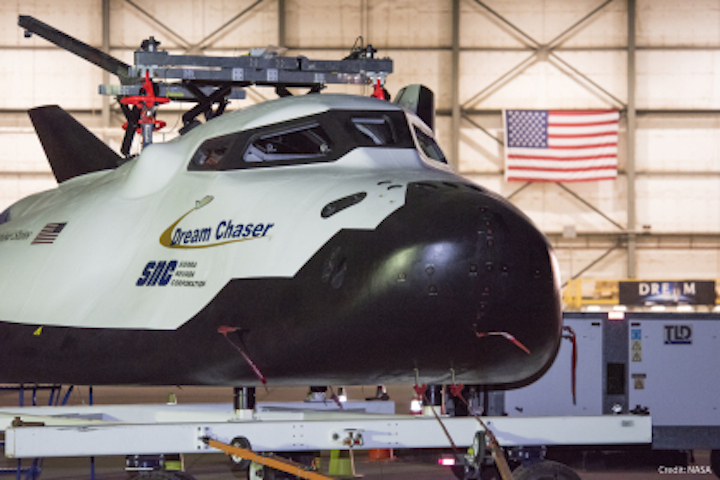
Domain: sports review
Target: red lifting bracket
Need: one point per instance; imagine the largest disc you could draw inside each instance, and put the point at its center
(147, 104)
(379, 90)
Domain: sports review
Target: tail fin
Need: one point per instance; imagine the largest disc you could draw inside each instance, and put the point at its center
(420, 100)
(71, 149)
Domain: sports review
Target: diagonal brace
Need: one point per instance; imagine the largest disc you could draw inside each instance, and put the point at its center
(542, 52)
(590, 206)
(205, 42)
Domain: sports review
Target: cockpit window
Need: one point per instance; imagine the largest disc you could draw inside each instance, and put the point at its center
(319, 138)
(378, 129)
(211, 153)
(299, 143)
(428, 146)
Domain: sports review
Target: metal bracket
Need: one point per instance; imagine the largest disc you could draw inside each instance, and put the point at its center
(350, 438)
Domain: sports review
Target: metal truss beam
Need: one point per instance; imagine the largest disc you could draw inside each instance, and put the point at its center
(555, 57)
(466, 113)
(542, 52)
(630, 142)
(105, 73)
(421, 48)
(561, 37)
(645, 240)
(590, 265)
(638, 173)
(590, 206)
(638, 111)
(643, 237)
(282, 23)
(502, 79)
(179, 38)
(205, 42)
(527, 184)
(455, 86)
(531, 42)
(187, 45)
(482, 129)
(30, 173)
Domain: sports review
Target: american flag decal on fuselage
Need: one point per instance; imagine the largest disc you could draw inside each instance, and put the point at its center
(49, 233)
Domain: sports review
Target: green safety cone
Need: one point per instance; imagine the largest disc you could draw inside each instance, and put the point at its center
(173, 463)
(340, 465)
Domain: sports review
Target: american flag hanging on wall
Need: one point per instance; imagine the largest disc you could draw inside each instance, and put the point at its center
(560, 145)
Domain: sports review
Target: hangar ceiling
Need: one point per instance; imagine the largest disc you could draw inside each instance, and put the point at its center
(657, 61)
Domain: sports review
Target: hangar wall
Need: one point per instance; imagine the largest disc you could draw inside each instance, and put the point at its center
(659, 219)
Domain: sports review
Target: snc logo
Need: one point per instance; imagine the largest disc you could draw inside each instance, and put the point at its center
(157, 273)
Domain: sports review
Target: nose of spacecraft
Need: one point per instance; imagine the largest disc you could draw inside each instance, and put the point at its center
(478, 282)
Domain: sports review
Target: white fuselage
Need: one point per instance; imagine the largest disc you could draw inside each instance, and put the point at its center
(256, 223)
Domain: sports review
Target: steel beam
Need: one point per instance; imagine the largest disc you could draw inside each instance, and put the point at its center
(642, 112)
(590, 206)
(364, 21)
(577, 72)
(638, 173)
(424, 48)
(282, 40)
(555, 41)
(205, 42)
(646, 236)
(482, 129)
(455, 87)
(506, 77)
(528, 39)
(526, 185)
(630, 142)
(47, 174)
(466, 113)
(592, 264)
(183, 42)
(105, 73)
(544, 52)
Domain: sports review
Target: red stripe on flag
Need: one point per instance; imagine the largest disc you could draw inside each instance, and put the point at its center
(580, 112)
(587, 124)
(580, 135)
(552, 169)
(575, 147)
(556, 180)
(562, 159)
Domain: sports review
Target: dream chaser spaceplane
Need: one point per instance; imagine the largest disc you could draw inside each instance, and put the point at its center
(309, 240)
(327, 229)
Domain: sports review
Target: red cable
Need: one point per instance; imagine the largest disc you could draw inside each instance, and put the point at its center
(573, 338)
(224, 330)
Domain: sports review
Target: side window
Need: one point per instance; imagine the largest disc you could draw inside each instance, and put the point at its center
(429, 147)
(211, 153)
(299, 143)
(379, 130)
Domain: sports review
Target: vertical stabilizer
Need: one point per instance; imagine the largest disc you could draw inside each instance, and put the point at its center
(71, 149)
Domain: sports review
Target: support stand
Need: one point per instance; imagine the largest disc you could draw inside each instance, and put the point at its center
(244, 402)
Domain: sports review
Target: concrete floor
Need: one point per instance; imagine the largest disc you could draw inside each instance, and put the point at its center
(218, 467)
(594, 466)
